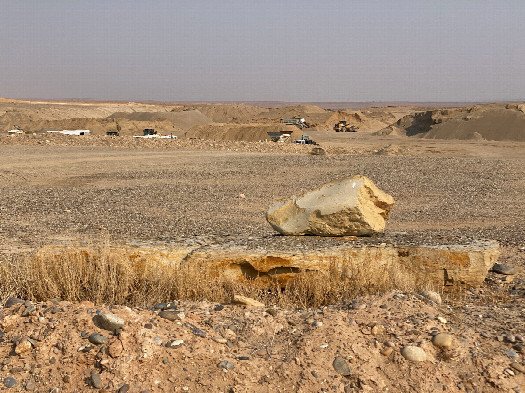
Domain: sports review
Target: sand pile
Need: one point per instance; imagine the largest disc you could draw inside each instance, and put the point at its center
(498, 122)
(179, 119)
(241, 132)
(97, 126)
(222, 113)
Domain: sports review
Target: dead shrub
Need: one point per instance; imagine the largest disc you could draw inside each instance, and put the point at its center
(106, 275)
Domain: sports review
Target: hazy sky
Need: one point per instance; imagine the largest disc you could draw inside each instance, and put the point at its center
(279, 50)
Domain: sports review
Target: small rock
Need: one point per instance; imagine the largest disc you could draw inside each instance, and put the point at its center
(10, 382)
(23, 346)
(509, 338)
(225, 365)
(341, 366)
(115, 349)
(29, 309)
(97, 338)
(518, 367)
(443, 340)
(160, 306)
(123, 389)
(218, 307)
(246, 301)
(13, 301)
(172, 315)
(108, 321)
(387, 351)
(95, 380)
(317, 323)
(503, 269)
(272, 312)
(199, 333)
(219, 340)
(511, 354)
(431, 295)
(30, 385)
(442, 320)
(413, 353)
(174, 343)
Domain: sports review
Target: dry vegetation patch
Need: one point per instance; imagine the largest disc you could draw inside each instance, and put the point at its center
(107, 275)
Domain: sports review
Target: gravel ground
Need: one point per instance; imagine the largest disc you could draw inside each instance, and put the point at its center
(54, 193)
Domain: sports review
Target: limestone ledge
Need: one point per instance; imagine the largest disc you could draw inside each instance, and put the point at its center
(424, 265)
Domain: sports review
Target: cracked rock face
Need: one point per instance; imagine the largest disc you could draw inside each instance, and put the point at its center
(352, 206)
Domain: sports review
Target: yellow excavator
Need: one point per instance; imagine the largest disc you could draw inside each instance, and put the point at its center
(342, 126)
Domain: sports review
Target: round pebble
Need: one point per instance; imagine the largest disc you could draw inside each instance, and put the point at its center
(413, 353)
(443, 340)
(341, 366)
(97, 338)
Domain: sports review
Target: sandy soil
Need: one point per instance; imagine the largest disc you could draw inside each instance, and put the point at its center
(60, 190)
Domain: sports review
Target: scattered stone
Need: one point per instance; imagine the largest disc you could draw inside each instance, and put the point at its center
(97, 339)
(500, 268)
(96, 381)
(23, 346)
(246, 301)
(10, 382)
(115, 349)
(413, 353)
(509, 338)
(30, 385)
(12, 301)
(511, 354)
(317, 323)
(123, 389)
(346, 207)
(443, 340)
(172, 315)
(174, 343)
(219, 340)
(387, 351)
(225, 365)
(518, 367)
(341, 366)
(218, 307)
(431, 295)
(108, 322)
(28, 310)
(442, 320)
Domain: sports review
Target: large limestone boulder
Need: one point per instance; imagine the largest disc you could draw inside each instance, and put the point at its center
(352, 206)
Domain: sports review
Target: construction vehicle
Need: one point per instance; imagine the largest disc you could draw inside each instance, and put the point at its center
(152, 133)
(296, 121)
(305, 140)
(279, 136)
(16, 131)
(342, 126)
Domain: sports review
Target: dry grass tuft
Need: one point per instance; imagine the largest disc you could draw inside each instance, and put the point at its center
(105, 275)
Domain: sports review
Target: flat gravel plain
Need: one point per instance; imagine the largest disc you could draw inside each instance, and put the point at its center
(52, 194)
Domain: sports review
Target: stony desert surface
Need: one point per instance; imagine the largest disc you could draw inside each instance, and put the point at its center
(457, 175)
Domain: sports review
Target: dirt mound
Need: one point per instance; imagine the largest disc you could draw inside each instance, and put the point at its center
(97, 126)
(293, 111)
(231, 113)
(204, 347)
(497, 122)
(240, 132)
(180, 119)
